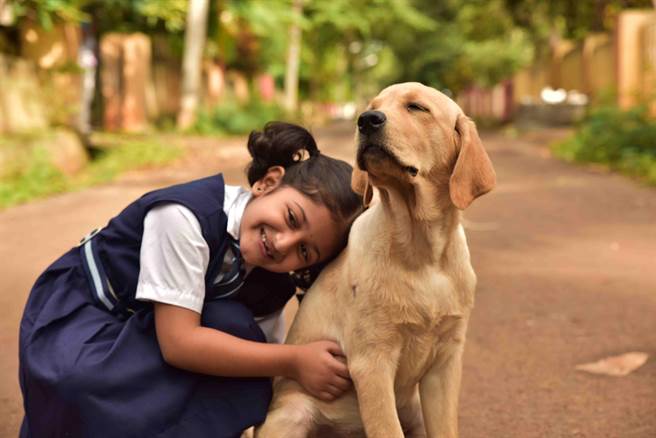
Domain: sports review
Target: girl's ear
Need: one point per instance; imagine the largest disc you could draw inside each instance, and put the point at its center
(270, 181)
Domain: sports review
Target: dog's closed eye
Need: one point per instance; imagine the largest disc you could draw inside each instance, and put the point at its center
(414, 106)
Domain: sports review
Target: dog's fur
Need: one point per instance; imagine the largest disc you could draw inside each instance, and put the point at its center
(399, 297)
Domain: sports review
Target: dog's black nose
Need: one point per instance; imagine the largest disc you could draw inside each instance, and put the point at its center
(371, 121)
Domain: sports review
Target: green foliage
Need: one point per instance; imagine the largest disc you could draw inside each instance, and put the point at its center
(568, 18)
(124, 153)
(47, 11)
(622, 140)
(35, 176)
(171, 13)
(469, 42)
(232, 117)
(109, 15)
(346, 52)
(249, 35)
(38, 178)
(495, 59)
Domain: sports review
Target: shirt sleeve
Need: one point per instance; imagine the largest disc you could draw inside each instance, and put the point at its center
(273, 326)
(174, 258)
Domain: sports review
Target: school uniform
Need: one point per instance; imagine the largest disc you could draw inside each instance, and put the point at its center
(90, 364)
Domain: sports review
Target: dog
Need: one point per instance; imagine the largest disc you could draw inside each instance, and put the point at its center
(399, 297)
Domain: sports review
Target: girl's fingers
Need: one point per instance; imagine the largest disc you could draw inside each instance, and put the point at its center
(326, 396)
(334, 348)
(341, 383)
(335, 391)
(341, 369)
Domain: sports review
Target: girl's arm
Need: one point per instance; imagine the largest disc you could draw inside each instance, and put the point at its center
(188, 345)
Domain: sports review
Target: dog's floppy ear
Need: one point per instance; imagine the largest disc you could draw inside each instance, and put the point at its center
(473, 174)
(360, 185)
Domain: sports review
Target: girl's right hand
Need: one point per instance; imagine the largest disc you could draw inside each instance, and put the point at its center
(321, 369)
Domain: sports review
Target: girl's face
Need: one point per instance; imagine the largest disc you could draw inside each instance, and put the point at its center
(283, 230)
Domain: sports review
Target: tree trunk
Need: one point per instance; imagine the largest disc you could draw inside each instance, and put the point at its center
(293, 58)
(195, 33)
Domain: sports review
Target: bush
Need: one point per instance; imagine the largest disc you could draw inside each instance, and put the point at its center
(234, 118)
(34, 176)
(622, 140)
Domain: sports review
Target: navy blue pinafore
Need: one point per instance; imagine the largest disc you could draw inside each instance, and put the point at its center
(90, 364)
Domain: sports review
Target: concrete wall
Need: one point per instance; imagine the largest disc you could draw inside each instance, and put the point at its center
(603, 65)
(22, 108)
(528, 82)
(630, 53)
(599, 64)
(572, 71)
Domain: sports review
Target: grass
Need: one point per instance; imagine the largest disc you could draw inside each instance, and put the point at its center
(33, 176)
(231, 117)
(619, 140)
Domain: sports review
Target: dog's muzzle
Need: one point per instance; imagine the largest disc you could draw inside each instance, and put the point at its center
(370, 124)
(370, 127)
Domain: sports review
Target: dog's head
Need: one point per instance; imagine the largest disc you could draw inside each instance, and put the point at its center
(415, 138)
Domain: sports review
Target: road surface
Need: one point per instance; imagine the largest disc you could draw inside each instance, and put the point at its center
(566, 259)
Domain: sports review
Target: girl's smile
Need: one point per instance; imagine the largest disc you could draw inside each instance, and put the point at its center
(283, 230)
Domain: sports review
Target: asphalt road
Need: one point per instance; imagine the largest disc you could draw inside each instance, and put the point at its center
(566, 259)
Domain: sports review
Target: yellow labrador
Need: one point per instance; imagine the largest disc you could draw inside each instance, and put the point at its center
(399, 297)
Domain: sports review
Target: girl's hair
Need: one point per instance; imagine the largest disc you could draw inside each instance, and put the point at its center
(323, 179)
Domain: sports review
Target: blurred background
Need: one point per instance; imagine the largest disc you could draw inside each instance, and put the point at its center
(104, 100)
(74, 73)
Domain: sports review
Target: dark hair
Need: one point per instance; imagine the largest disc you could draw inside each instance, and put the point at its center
(323, 179)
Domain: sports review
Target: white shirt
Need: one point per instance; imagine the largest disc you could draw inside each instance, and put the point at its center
(174, 257)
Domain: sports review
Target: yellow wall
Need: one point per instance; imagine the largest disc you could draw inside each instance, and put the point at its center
(630, 65)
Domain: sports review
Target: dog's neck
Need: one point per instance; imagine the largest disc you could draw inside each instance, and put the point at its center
(417, 239)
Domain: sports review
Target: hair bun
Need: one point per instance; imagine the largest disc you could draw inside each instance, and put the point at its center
(278, 144)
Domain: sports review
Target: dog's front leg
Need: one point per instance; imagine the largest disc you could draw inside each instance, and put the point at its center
(439, 390)
(373, 374)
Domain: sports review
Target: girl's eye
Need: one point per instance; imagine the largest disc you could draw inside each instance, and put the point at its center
(412, 106)
(292, 219)
(304, 252)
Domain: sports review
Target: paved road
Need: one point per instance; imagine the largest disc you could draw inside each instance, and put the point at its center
(566, 258)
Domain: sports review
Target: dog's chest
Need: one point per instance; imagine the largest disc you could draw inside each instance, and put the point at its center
(424, 345)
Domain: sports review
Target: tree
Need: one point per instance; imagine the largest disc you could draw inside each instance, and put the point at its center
(195, 35)
(570, 19)
(293, 58)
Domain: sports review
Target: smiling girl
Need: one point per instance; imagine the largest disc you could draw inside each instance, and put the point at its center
(157, 324)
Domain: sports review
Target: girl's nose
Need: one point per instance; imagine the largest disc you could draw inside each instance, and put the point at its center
(287, 241)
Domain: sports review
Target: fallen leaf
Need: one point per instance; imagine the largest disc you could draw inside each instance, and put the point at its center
(616, 365)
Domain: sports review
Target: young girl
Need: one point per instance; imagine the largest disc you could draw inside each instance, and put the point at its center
(156, 325)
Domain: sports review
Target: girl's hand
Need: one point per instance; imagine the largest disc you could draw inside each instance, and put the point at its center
(321, 369)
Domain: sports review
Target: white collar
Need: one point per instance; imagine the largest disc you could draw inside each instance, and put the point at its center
(234, 204)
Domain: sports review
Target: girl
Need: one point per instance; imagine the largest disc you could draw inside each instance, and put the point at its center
(156, 325)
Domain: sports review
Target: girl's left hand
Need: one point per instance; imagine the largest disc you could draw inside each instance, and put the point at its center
(321, 369)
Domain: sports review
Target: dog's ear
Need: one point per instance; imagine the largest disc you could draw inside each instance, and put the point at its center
(473, 174)
(360, 185)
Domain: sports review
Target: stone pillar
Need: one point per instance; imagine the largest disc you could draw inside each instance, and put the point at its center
(630, 65)
(126, 81)
(239, 86)
(111, 76)
(215, 82)
(649, 65)
(266, 87)
(21, 102)
(136, 78)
